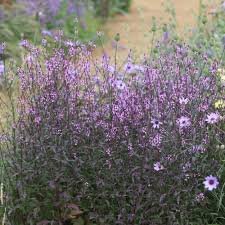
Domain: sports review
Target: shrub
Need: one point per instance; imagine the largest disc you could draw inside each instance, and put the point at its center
(128, 144)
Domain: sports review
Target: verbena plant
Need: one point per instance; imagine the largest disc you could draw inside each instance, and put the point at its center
(128, 144)
(207, 37)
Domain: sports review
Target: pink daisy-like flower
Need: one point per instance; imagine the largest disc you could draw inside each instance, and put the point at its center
(120, 84)
(129, 68)
(155, 123)
(139, 68)
(213, 118)
(183, 101)
(158, 166)
(211, 182)
(111, 69)
(184, 121)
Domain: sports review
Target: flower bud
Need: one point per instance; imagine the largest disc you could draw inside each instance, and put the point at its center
(117, 37)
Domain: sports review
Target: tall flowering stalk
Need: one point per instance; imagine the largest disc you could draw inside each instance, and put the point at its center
(125, 146)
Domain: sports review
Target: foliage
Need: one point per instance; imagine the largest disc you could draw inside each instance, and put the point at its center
(24, 21)
(207, 37)
(127, 144)
(62, 14)
(83, 28)
(106, 8)
(15, 26)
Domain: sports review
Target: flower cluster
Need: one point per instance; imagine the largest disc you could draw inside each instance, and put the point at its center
(131, 132)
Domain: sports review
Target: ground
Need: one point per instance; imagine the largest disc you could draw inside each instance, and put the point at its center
(134, 27)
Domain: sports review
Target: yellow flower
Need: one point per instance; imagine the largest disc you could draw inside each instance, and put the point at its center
(221, 73)
(220, 104)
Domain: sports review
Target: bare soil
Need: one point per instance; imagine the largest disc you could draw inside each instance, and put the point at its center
(134, 27)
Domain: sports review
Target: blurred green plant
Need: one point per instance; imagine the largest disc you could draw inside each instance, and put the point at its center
(208, 36)
(106, 8)
(15, 26)
(74, 27)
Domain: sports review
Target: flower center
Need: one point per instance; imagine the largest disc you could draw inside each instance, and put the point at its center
(211, 182)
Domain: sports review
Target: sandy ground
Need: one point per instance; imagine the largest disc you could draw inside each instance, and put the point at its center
(134, 27)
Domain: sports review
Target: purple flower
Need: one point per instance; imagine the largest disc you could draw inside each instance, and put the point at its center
(46, 33)
(165, 36)
(44, 42)
(24, 43)
(69, 43)
(183, 101)
(183, 122)
(198, 149)
(2, 48)
(213, 118)
(211, 182)
(157, 140)
(2, 68)
(200, 197)
(30, 59)
(155, 123)
(111, 69)
(158, 166)
(139, 68)
(37, 120)
(53, 6)
(120, 84)
(129, 68)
